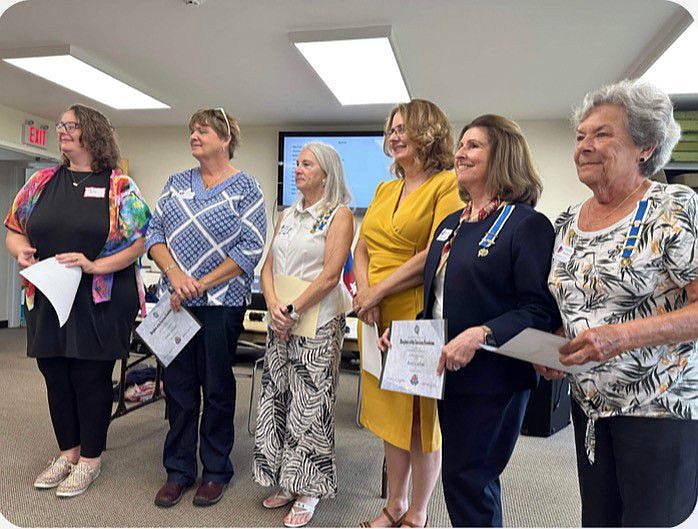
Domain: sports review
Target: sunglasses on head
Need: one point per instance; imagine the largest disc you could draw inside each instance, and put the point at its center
(225, 118)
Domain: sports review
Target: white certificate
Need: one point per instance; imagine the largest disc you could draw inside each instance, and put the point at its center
(165, 331)
(538, 347)
(371, 356)
(411, 362)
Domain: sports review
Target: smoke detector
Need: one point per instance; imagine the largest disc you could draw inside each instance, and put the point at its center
(194, 3)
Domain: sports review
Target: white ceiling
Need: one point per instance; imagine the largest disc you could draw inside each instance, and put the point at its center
(526, 59)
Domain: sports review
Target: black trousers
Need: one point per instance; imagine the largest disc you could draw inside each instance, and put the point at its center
(645, 471)
(204, 366)
(79, 401)
(479, 434)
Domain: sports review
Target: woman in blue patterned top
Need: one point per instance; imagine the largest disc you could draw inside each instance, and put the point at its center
(625, 276)
(207, 235)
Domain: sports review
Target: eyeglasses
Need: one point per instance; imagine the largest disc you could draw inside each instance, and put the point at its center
(399, 130)
(225, 117)
(68, 126)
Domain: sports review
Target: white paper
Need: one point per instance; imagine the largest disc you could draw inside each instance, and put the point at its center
(165, 331)
(411, 362)
(371, 356)
(59, 283)
(538, 347)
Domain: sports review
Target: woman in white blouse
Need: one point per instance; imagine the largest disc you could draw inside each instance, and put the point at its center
(294, 441)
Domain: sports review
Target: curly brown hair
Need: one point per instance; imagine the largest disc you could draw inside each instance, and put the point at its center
(428, 127)
(97, 137)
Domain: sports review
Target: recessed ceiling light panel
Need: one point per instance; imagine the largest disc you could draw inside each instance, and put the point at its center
(76, 75)
(358, 71)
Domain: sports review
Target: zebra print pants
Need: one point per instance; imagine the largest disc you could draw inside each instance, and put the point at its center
(294, 438)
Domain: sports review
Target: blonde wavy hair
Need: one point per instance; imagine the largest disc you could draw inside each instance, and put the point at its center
(428, 127)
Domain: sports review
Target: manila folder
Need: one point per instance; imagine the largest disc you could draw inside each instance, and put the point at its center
(289, 288)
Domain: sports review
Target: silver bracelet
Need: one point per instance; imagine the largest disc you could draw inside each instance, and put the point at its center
(173, 265)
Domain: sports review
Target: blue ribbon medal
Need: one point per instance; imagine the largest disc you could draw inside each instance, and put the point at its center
(488, 240)
(633, 232)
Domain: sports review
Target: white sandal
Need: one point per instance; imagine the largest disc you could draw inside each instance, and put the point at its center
(300, 508)
(279, 499)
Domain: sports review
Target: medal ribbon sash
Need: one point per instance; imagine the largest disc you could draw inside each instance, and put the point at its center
(633, 234)
(488, 240)
(482, 215)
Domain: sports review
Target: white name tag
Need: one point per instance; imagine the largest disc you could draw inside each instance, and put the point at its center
(187, 194)
(444, 235)
(563, 253)
(94, 192)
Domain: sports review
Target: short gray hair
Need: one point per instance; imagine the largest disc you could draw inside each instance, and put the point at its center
(650, 118)
(336, 190)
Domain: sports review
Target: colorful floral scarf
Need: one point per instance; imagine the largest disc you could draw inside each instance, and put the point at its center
(128, 221)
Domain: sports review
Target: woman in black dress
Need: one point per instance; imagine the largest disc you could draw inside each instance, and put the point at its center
(86, 213)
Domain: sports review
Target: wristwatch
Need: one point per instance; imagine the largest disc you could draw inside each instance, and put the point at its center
(292, 312)
(489, 337)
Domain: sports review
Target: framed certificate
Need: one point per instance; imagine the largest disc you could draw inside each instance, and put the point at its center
(410, 364)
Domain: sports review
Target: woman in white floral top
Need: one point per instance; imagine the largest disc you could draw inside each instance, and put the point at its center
(625, 276)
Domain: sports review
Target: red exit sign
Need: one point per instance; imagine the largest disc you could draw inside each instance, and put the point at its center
(34, 134)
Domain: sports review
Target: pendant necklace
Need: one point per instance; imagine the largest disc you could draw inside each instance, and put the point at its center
(76, 184)
(618, 206)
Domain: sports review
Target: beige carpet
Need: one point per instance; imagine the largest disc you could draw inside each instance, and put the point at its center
(539, 486)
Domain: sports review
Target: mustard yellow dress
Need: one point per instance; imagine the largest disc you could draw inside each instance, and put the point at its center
(393, 233)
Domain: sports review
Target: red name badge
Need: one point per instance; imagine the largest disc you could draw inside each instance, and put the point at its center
(94, 192)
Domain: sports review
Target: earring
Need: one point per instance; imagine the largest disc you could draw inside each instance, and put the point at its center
(324, 181)
(643, 159)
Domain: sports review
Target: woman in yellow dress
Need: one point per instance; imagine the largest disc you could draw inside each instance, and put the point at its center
(388, 264)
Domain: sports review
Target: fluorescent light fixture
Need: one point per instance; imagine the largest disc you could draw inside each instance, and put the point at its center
(73, 73)
(675, 71)
(357, 65)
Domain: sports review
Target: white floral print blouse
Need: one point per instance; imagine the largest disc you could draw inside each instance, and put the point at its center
(595, 284)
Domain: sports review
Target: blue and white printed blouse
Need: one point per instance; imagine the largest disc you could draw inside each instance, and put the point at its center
(201, 227)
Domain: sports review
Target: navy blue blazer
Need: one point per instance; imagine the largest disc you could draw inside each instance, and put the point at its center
(505, 290)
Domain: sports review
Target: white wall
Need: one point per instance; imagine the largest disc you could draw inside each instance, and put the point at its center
(11, 132)
(156, 152)
(552, 145)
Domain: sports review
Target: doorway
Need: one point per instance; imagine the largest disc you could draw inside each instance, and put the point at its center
(15, 168)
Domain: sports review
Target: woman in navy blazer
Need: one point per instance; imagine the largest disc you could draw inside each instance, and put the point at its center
(486, 274)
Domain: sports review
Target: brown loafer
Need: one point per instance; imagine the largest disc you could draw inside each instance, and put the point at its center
(208, 493)
(169, 494)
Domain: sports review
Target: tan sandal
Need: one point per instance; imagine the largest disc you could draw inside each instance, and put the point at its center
(393, 521)
(407, 523)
